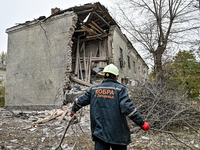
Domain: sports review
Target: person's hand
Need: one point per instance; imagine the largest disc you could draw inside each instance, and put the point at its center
(145, 127)
(71, 114)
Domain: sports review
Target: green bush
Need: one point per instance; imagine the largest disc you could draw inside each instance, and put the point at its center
(2, 96)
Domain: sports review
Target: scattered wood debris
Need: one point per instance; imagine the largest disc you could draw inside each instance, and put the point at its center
(53, 114)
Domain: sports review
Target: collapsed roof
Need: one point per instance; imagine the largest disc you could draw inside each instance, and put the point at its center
(94, 22)
(92, 18)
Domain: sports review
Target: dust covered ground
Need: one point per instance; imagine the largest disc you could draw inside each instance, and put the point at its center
(15, 133)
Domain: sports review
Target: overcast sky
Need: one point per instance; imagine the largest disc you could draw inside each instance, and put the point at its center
(19, 11)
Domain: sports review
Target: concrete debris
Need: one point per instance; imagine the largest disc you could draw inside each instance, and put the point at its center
(48, 135)
(2, 124)
(14, 141)
(192, 142)
(42, 140)
(33, 119)
(96, 69)
(33, 129)
(145, 138)
(9, 147)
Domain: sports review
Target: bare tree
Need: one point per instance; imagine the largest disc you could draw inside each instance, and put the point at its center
(157, 25)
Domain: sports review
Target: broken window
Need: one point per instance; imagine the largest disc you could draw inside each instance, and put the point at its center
(138, 70)
(129, 64)
(134, 68)
(121, 60)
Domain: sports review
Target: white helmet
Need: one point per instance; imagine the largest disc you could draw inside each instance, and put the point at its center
(111, 69)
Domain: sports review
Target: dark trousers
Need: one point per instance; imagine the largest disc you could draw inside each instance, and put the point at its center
(101, 145)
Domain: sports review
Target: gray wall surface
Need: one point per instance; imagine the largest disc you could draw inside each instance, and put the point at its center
(120, 42)
(38, 56)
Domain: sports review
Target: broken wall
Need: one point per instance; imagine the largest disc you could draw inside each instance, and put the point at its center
(88, 56)
(39, 56)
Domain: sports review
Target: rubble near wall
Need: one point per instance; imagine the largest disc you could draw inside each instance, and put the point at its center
(25, 130)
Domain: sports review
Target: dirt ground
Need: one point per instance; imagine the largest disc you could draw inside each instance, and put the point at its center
(15, 135)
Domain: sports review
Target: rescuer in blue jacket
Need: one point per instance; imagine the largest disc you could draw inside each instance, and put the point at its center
(109, 106)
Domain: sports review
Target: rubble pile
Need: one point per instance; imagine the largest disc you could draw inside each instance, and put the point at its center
(34, 130)
(41, 129)
(30, 130)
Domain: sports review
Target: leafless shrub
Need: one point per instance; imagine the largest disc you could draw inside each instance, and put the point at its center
(164, 106)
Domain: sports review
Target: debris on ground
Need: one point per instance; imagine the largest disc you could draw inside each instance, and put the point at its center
(30, 130)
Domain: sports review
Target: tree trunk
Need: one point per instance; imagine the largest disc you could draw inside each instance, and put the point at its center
(158, 66)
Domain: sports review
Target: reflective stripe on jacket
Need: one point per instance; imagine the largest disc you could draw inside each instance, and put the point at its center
(109, 106)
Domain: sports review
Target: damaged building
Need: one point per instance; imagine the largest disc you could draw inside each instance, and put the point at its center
(47, 55)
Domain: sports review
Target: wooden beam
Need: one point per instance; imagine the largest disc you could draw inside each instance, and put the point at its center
(81, 82)
(91, 32)
(97, 19)
(82, 46)
(102, 19)
(80, 68)
(77, 56)
(94, 59)
(98, 27)
(84, 11)
(94, 38)
(84, 61)
(90, 64)
(80, 20)
(79, 30)
(100, 53)
(86, 71)
(103, 25)
(95, 28)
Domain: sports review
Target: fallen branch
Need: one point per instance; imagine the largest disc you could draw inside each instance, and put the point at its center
(172, 134)
(180, 141)
(190, 126)
(169, 132)
(173, 117)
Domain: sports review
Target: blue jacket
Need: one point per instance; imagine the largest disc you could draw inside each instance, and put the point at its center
(109, 106)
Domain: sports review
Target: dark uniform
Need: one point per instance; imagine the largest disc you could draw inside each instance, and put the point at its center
(109, 104)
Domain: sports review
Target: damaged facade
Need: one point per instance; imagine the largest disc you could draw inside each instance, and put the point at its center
(47, 54)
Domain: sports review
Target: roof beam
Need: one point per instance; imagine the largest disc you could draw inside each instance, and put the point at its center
(90, 31)
(102, 19)
(84, 11)
(95, 28)
(98, 27)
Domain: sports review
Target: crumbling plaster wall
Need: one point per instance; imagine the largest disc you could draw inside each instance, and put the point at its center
(120, 42)
(39, 59)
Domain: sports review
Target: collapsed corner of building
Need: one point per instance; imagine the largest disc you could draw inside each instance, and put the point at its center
(50, 58)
